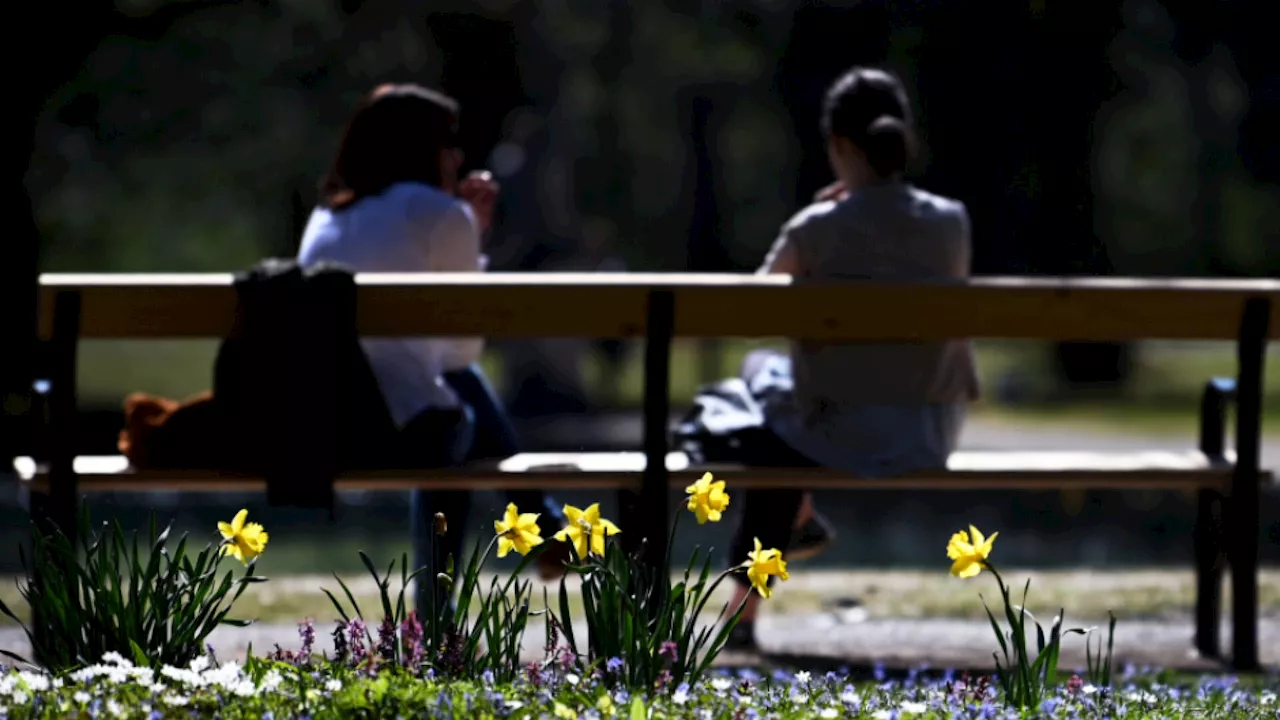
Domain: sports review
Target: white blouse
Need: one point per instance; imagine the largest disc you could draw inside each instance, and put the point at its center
(410, 227)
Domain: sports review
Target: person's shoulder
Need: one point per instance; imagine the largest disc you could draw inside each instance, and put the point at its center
(816, 213)
(937, 205)
(420, 197)
(426, 204)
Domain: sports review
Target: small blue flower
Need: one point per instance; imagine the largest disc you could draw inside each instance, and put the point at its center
(487, 677)
(613, 665)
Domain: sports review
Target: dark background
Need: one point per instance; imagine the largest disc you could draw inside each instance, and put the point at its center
(1130, 138)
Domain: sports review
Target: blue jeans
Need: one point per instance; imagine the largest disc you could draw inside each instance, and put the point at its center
(481, 431)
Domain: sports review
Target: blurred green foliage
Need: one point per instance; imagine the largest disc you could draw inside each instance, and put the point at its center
(181, 152)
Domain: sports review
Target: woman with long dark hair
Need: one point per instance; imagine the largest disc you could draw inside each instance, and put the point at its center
(392, 202)
(873, 410)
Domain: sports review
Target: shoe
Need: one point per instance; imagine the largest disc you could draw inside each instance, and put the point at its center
(811, 539)
(742, 638)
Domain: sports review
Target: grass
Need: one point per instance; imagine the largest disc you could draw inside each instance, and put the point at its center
(1163, 398)
(1136, 594)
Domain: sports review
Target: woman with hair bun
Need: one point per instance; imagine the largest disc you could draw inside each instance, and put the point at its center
(874, 410)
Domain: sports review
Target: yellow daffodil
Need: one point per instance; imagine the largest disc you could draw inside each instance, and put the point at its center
(761, 564)
(969, 555)
(586, 530)
(518, 531)
(241, 540)
(707, 499)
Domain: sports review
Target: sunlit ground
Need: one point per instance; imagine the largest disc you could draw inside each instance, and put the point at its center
(1085, 595)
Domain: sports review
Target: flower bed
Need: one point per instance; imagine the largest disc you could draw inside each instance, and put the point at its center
(266, 689)
(122, 634)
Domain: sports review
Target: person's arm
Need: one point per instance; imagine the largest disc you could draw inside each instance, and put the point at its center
(783, 259)
(455, 247)
(964, 252)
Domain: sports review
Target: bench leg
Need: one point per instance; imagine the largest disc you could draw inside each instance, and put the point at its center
(57, 510)
(1243, 532)
(644, 517)
(1208, 556)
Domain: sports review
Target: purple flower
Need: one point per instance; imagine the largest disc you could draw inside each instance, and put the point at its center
(307, 632)
(613, 665)
(341, 650)
(411, 638)
(356, 634)
(670, 653)
(387, 640)
(567, 659)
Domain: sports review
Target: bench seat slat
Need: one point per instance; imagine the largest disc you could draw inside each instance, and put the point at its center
(968, 470)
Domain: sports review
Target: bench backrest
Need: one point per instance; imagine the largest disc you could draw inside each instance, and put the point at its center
(706, 305)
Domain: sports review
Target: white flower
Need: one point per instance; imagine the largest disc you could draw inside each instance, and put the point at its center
(721, 684)
(1266, 698)
(802, 677)
(272, 680)
(156, 687)
(515, 705)
(114, 709)
(680, 696)
(829, 713)
(200, 664)
(226, 677)
(572, 679)
(7, 684)
(176, 700)
(1143, 697)
(56, 683)
(1089, 689)
(882, 715)
(20, 698)
(81, 697)
(116, 658)
(333, 685)
(182, 675)
(850, 697)
(35, 682)
(244, 688)
(913, 707)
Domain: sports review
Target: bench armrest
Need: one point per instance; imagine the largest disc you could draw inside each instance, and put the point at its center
(1219, 393)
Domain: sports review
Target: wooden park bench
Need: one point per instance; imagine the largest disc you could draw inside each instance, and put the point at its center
(659, 307)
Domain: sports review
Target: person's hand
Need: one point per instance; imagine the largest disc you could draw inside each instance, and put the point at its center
(480, 191)
(834, 191)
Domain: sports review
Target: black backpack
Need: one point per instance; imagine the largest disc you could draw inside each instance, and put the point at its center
(293, 384)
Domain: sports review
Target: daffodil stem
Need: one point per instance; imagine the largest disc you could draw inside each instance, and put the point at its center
(671, 541)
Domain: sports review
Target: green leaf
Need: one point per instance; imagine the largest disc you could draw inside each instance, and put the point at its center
(139, 655)
(638, 711)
